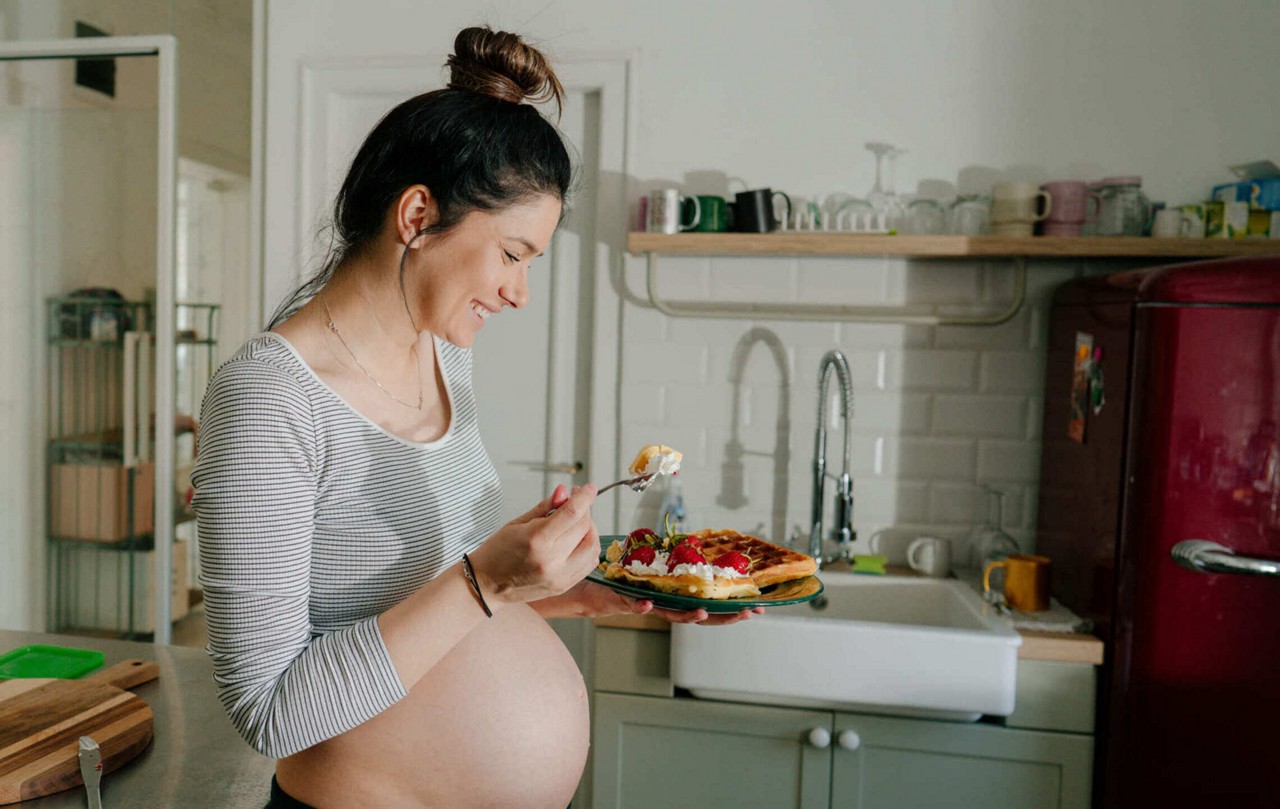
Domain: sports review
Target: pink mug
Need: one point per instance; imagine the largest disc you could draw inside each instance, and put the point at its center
(1070, 209)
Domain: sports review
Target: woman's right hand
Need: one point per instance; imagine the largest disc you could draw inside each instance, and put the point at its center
(540, 554)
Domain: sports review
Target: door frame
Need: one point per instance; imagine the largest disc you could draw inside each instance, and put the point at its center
(165, 49)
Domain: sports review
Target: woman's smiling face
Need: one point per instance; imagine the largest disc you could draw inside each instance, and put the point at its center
(457, 280)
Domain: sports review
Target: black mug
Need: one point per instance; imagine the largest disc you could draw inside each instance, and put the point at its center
(753, 210)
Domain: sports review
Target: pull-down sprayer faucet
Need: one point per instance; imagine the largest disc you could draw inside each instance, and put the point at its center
(843, 531)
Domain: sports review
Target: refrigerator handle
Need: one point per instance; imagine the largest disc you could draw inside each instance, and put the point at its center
(1210, 557)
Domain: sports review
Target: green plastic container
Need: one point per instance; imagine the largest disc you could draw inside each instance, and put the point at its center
(61, 662)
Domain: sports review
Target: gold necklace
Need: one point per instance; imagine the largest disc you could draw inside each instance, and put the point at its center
(333, 327)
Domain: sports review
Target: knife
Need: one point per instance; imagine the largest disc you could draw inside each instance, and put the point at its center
(91, 770)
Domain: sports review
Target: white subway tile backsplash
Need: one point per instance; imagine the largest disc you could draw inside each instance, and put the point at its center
(676, 278)
(1011, 372)
(931, 370)
(1035, 418)
(956, 503)
(695, 404)
(856, 282)
(643, 324)
(937, 411)
(928, 458)
(890, 502)
(891, 413)
(979, 415)
(1008, 461)
(939, 283)
(748, 279)
(662, 363)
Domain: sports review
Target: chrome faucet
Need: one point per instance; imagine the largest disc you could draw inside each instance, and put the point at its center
(842, 532)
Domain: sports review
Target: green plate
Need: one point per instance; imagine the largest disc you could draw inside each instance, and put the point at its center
(61, 662)
(777, 595)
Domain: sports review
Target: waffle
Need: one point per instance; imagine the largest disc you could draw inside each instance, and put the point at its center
(770, 564)
(692, 586)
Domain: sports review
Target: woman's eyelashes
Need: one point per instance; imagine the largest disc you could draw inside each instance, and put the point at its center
(510, 258)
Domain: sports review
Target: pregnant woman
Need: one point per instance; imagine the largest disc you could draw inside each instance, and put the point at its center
(372, 625)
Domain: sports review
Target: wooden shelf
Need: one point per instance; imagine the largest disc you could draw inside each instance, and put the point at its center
(859, 244)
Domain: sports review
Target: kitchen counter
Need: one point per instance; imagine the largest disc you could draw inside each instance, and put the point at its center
(196, 758)
(1059, 647)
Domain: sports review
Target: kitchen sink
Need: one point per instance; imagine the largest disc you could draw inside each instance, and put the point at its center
(897, 645)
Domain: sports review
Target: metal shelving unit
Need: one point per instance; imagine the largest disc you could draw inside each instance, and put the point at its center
(100, 471)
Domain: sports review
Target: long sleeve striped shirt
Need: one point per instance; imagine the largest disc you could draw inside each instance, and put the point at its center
(312, 521)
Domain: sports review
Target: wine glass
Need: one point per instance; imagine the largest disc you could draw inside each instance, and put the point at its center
(988, 542)
(895, 208)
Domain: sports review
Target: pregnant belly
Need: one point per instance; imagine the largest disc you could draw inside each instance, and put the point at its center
(500, 721)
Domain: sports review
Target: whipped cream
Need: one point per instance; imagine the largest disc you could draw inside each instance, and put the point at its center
(658, 568)
(664, 463)
(707, 571)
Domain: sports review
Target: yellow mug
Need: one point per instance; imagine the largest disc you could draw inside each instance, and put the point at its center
(1026, 581)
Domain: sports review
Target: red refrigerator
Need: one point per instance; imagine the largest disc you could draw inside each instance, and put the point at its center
(1160, 508)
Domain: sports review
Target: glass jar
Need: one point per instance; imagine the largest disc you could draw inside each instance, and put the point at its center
(1125, 210)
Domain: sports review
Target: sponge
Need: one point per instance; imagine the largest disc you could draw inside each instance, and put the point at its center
(871, 564)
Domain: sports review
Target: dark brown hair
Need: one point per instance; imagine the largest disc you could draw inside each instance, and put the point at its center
(475, 144)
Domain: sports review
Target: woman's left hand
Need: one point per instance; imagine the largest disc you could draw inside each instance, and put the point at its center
(590, 600)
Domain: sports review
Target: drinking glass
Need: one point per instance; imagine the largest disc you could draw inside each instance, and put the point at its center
(988, 542)
(925, 217)
(970, 215)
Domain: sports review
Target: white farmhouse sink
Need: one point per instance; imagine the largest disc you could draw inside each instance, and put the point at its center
(897, 645)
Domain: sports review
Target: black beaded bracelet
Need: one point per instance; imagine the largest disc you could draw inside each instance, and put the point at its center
(475, 585)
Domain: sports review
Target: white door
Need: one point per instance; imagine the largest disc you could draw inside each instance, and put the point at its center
(526, 362)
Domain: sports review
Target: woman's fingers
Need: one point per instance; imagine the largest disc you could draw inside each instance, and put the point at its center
(556, 499)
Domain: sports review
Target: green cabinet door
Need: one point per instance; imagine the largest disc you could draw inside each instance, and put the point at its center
(888, 763)
(655, 753)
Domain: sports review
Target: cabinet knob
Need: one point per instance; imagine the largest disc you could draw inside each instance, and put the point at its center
(820, 738)
(849, 740)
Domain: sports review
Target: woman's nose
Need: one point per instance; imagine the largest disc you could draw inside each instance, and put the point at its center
(516, 291)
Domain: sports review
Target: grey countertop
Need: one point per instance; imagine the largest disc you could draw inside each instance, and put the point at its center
(196, 758)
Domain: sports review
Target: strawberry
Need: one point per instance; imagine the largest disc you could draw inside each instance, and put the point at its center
(641, 536)
(643, 554)
(685, 555)
(686, 539)
(733, 559)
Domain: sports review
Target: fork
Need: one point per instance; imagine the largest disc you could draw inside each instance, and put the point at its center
(636, 484)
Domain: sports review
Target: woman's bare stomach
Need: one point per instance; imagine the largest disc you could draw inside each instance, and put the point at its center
(501, 721)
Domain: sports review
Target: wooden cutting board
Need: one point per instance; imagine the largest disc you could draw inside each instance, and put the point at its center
(42, 720)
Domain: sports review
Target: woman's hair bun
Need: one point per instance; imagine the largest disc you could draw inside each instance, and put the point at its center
(501, 65)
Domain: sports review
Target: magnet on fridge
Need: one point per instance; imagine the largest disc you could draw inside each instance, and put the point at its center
(1080, 378)
(1097, 390)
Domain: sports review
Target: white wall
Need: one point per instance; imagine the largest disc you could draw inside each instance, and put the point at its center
(785, 95)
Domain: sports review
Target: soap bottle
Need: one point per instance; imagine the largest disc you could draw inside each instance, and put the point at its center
(673, 506)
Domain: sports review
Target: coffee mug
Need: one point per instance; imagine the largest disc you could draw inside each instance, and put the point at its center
(753, 210)
(1026, 581)
(1014, 208)
(930, 556)
(664, 210)
(1169, 224)
(1069, 207)
(715, 216)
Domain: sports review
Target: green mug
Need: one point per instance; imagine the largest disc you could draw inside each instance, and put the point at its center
(716, 215)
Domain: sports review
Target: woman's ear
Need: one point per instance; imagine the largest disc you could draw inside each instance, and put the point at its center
(415, 211)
